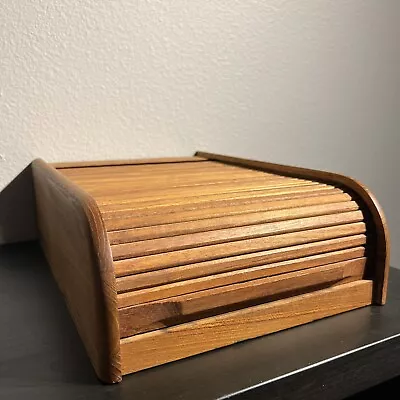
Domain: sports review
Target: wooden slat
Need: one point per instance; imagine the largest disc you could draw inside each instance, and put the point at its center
(181, 242)
(153, 169)
(176, 198)
(222, 280)
(125, 183)
(81, 164)
(176, 182)
(347, 246)
(213, 201)
(130, 193)
(130, 282)
(111, 188)
(212, 252)
(158, 196)
(208, 206)
(159, 347)
(116, 169)
(177, 310)
(379, 237)
(180, 215)
(180, 228)
(166, 179)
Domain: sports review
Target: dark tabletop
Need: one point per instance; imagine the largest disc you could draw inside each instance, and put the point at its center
(42, 357)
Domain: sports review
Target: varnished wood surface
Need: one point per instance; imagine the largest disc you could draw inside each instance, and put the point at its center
(125, 191)
(212, 252)
(80, 164)
(225, 199)
(179, 214)
(178, 309)
(210, 224)
(194, 204)
(74, 241)
(230, 235)
(224, 281)
(346, 245)
(157, 172)
(208, 279)
(381, 242)
(159, 347)
(192, 241)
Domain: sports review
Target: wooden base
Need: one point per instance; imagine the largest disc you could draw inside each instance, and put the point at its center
(165, 345)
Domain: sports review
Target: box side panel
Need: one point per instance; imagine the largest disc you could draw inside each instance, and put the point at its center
(76, 246)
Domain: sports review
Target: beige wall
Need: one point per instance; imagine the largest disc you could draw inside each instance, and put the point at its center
(312, 83)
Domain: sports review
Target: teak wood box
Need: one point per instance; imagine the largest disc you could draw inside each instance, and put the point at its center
(162, 259)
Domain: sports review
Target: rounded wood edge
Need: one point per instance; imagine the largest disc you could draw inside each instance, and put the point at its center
(110, 369)
(382, 241)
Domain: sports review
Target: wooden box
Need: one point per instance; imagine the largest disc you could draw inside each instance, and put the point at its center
(162, 259)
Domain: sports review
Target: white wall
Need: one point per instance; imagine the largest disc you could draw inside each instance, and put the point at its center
(312, 83)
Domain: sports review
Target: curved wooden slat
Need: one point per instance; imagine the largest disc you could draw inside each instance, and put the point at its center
(177, 215)
(212, 252)
(210, 224)
(179, 309)
(236, 263)
(379, 261)
(230, 235)
(251, 275)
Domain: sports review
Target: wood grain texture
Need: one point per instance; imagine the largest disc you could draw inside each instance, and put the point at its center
(154, 348)
(203, 252)
(125, 185)
(156, 171)
(179, 309)
(74, 241)
(205, 279)
(181, 215)
(210, 224)
(222, 280)
(167, 179)
(346, 245)
(107, 196)
(249, 196)
(166, 210)
(80, 164)
(230, 235)
(212, 252)
(379, 262)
